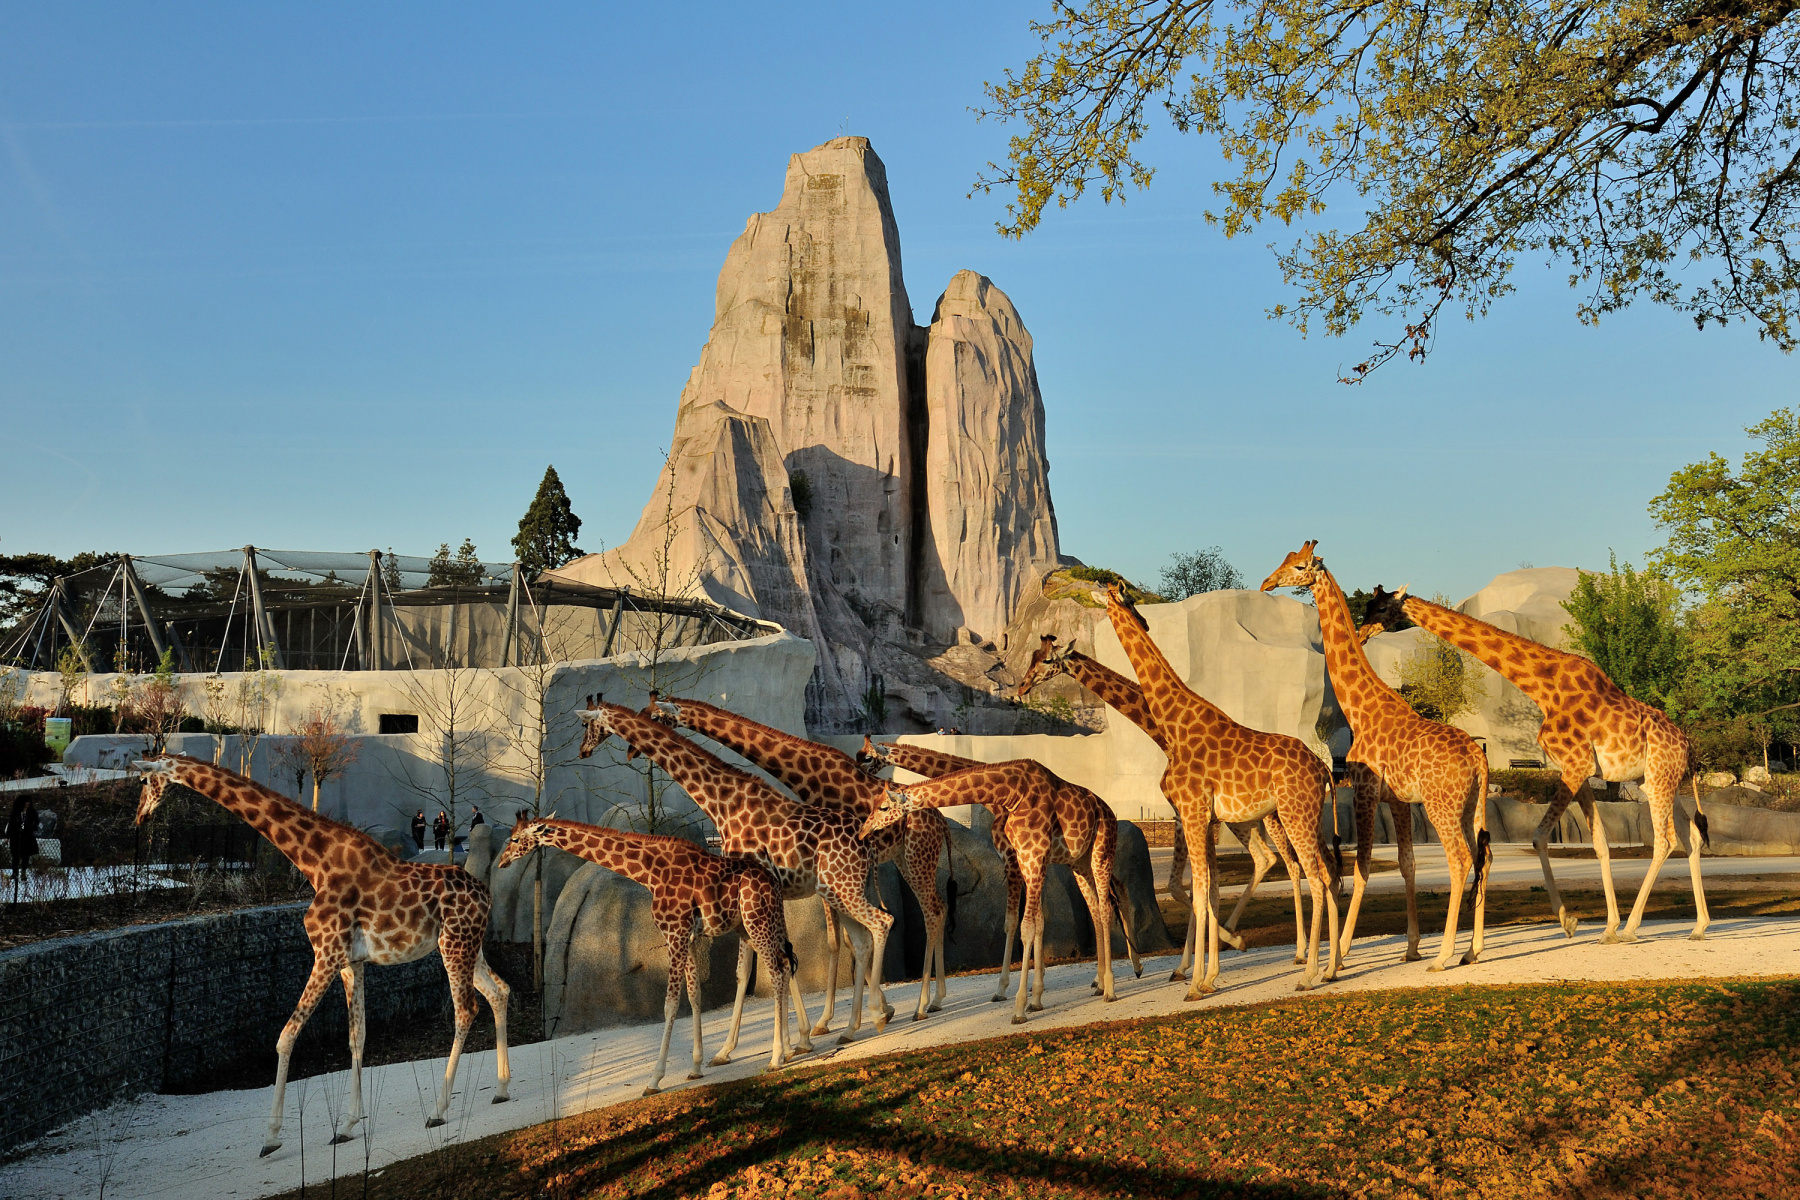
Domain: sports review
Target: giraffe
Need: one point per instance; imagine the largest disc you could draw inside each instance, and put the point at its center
(813, 850)
(367, 907)
(1127, 698)
(1221, 770)
(1403, 758)
(693, 892)
(1045, 819)
(935, 763)
(819, 774)
(1589, 721)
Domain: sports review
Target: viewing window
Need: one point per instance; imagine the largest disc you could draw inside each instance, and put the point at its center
(399, 723)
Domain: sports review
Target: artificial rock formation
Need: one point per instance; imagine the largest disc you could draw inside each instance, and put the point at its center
(865, 483)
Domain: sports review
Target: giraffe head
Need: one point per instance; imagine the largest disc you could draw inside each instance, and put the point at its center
(1301, 569)
(527, 836)
(665, 712)
(1385, 609)
(594, 726)
(1117, 597)
(872, 757)
(895, 804)
(1046, 664)
(159, 773)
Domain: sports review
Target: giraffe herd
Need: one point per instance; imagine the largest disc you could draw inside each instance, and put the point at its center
(822, 820)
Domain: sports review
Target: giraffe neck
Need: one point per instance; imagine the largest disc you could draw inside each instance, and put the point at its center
(816, 773)
(633, 855)
(718, 789)
(301, 835)
(1530, 666)
(1367, 701)
(1166, 693)
(975, 784)
(922, 760)
(1116, 690)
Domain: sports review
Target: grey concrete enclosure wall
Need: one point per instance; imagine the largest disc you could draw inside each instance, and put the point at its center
(88, 1020)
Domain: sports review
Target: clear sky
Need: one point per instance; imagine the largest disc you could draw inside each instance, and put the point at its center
(342, 276)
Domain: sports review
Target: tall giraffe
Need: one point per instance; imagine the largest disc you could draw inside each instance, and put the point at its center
(1404, 756)
(1588, 721)
(1221, 770)
(1257, 837)
(812, 849)
(820, 774)
(1045, 819)
(922, 760)
(693, 892)
(367, 907)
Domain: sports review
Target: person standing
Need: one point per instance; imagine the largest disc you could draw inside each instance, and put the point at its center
(440, 828)
(21, 837)
(418, 829)
(477, 819)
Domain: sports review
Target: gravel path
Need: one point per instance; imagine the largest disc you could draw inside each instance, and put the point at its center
(206, 1145)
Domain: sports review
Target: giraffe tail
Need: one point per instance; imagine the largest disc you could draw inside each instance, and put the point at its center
(1122, 907)
(787, 951)
(1481, 835)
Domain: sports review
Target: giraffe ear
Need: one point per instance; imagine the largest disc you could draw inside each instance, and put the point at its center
(1401, 594)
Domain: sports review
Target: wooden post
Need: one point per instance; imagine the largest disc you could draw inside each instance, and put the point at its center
(375, 647)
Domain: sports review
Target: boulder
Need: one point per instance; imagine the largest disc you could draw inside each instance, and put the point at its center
(510, 919)
(394, 840)
(806, 931)
(977, 921)
(605, 961)
(1528, 602)
(1757, 775)
(1131, 866)
(992, 534)
(480, 859)
(1718, 779)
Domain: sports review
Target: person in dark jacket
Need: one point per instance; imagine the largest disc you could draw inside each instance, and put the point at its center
(440, 828)
(477, 819)
(418, 829)
(21, 837)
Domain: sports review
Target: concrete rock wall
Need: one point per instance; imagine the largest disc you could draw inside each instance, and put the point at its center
(88, 1020)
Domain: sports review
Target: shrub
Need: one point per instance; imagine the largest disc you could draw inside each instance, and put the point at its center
(1534, 785)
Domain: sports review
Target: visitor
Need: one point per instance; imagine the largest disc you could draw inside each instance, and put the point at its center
(477, 819)
(418, 829)
(440, 828)
(21, 837)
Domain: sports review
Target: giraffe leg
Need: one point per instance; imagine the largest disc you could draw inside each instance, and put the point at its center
(1100, 869)
(461, 969)
(1261, 860)
(352, 975)
(677, 944)
(1323, 897)
(737, 1006)
(868, 927)
(1031, 934)
(324, 967)
(1178, 866)
(498, 997)
(693, 986)
(1102, 962)
(1205, 912)
(1368, 796)
(1662, 820)
(802, 1042)
(1459, 857)
(1187, 946)
(832, 935)
(1603, 852)
(1015, 886)
(1401, 812)
(1212, 922)
(1559, 753)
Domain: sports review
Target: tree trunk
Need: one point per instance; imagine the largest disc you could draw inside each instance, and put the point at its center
(316, 792)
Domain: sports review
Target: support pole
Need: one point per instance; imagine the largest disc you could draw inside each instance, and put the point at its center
(181, 654)
(143, 606)
(62, 615)
(512, 620)
(266, 643)
(612, 628)
(375, 647)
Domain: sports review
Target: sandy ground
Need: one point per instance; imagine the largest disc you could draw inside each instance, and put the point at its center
(207, 1145)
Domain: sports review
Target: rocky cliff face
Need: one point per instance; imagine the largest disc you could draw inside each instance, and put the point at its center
(878, 488)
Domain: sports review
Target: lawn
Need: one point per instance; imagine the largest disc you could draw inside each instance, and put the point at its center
(1591, 1091)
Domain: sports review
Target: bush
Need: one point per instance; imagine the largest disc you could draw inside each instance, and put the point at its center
(22, 750)
(1133, 592)
(1536, 786)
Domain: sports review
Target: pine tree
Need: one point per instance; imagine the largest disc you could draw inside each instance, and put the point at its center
(548, 530)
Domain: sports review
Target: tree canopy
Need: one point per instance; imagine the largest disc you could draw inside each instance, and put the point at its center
(1202, 571)
(1630, 624)
(1734, 541)
(462, 571)
(1630, 141)
(547, 531)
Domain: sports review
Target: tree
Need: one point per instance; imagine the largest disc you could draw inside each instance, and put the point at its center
(1441, 682)
(157, 705)
(1627, 140)
(547, 531)
(1202, 571)
(1630, 625)
(1734, 540)
(320, 745)
(24, 578)
(464, 570)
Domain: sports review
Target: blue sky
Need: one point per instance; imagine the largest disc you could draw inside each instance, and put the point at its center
(333, 277)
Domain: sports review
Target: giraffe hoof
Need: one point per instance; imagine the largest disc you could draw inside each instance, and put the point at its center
(339, 1140)
(1299, 960)
(845, 1039)
(1699, 935)
(1034, 1006)
(998, 997)
(1412, 955)
(1017, 1019)
(881, 1024)
(1569, 924)
(652, 1091)
(269, 1149)
(794, 1053)
(1435, 967)
(1199, 991)
(1627, 937)
(1609, 938)
(919, 1016)
(434, 1122)
(501, 1099)
(1137, 972)
(1177, 976)
(720, 1060)
(934, 1006)
(803, 1047)
(821, 1029)
(1470, 959)
(696, 1075)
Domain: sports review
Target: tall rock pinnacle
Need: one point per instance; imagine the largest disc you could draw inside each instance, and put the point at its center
(838, 470)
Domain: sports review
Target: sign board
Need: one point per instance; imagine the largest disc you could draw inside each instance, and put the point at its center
(57, 733)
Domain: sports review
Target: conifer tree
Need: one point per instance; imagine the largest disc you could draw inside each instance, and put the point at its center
(547, 532)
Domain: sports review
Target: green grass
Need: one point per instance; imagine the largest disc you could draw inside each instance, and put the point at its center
(1595, 1091)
